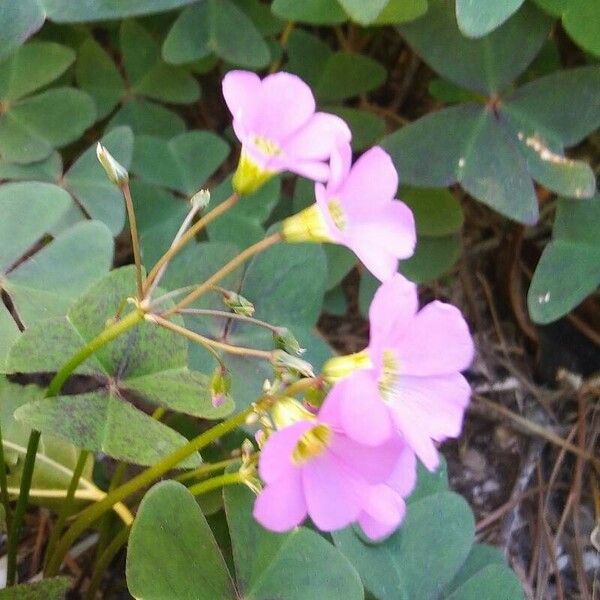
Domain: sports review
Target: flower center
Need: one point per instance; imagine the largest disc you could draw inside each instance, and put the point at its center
(389, 375)
(266, 146)
(337, 214)
(312, 444)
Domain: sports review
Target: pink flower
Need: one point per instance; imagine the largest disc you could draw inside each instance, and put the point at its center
(414, 384)
(357, 208)
(276, 122)
(311, 468)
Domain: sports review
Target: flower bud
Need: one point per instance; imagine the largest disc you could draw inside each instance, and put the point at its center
(315, 396)
(116, 172)
(220, 386)
(238, 304)
(338, 367)
(284, 361)
(285, 340)
(288, 411)
(200, 199)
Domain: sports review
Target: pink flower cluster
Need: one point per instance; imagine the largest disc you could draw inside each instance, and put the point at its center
(355, 461)
(276, 122)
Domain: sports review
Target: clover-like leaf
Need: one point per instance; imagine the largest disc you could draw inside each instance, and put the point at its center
(18, 20)
(478, 18)
(486, 65)
(183, 164)
(54, 588)
(148, 118)
(148, 74)
(569, 269)
(363, 12)
(580, 19)
(35, 275)
(147, 364)
(31, 126)
(216, 27)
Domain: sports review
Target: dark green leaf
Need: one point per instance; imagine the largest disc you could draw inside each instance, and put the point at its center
(170, 536)
(147, 118)
(184, 163)
(367, 128)
(435, 538)
(284, 566)
(437, 212)
(98, 75)
(216, 27)
(18, 20)
(487, 65)
(31, 128)
(400, 11)
(102, 422)
(317, 12)
(31, 67)
(363, 12)
(148, 74)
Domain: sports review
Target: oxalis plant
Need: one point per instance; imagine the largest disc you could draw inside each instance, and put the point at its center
(338, 449)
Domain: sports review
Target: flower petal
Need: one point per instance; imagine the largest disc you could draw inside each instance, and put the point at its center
(241, 92)
(404, 476)
(392, 309)
(276, 456)
(437, 342)
(382, 512)
(364, 416)
(281, 505)
(378, 260)
(371, 183)
(284, 105)
(317, 138)
(333, 496)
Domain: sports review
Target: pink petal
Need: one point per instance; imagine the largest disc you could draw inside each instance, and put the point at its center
(241, 93)
(382, 263)
(315, 170)
(373, 464)
(333, 496)
(364, 416)
(372, 182)
(281, 505)
(317, 138)
(341, 161)
(430, 408)
(284, 105)
(276, 456)
(382, 512)
(392, 310)
(437, 342)
(404, 476)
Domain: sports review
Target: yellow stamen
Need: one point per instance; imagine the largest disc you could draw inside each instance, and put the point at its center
(267, 146)
(337, 214)
(288, 411)
(389, 376)
(312, 444)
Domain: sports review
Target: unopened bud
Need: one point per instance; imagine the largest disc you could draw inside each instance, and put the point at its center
(200, 200)
(282, 360)
(315, 395)
(288, 411)
(338, 367)
(285, 340)
(238, 304)
(116, 172)
(220, 386)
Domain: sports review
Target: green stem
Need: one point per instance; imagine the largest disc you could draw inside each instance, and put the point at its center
(205, 469)
(208, 312)
(106, 336)
(216, 482)
(65, 509)
(4, 486)
(105, 559)
(92, 513)
(21, 507)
